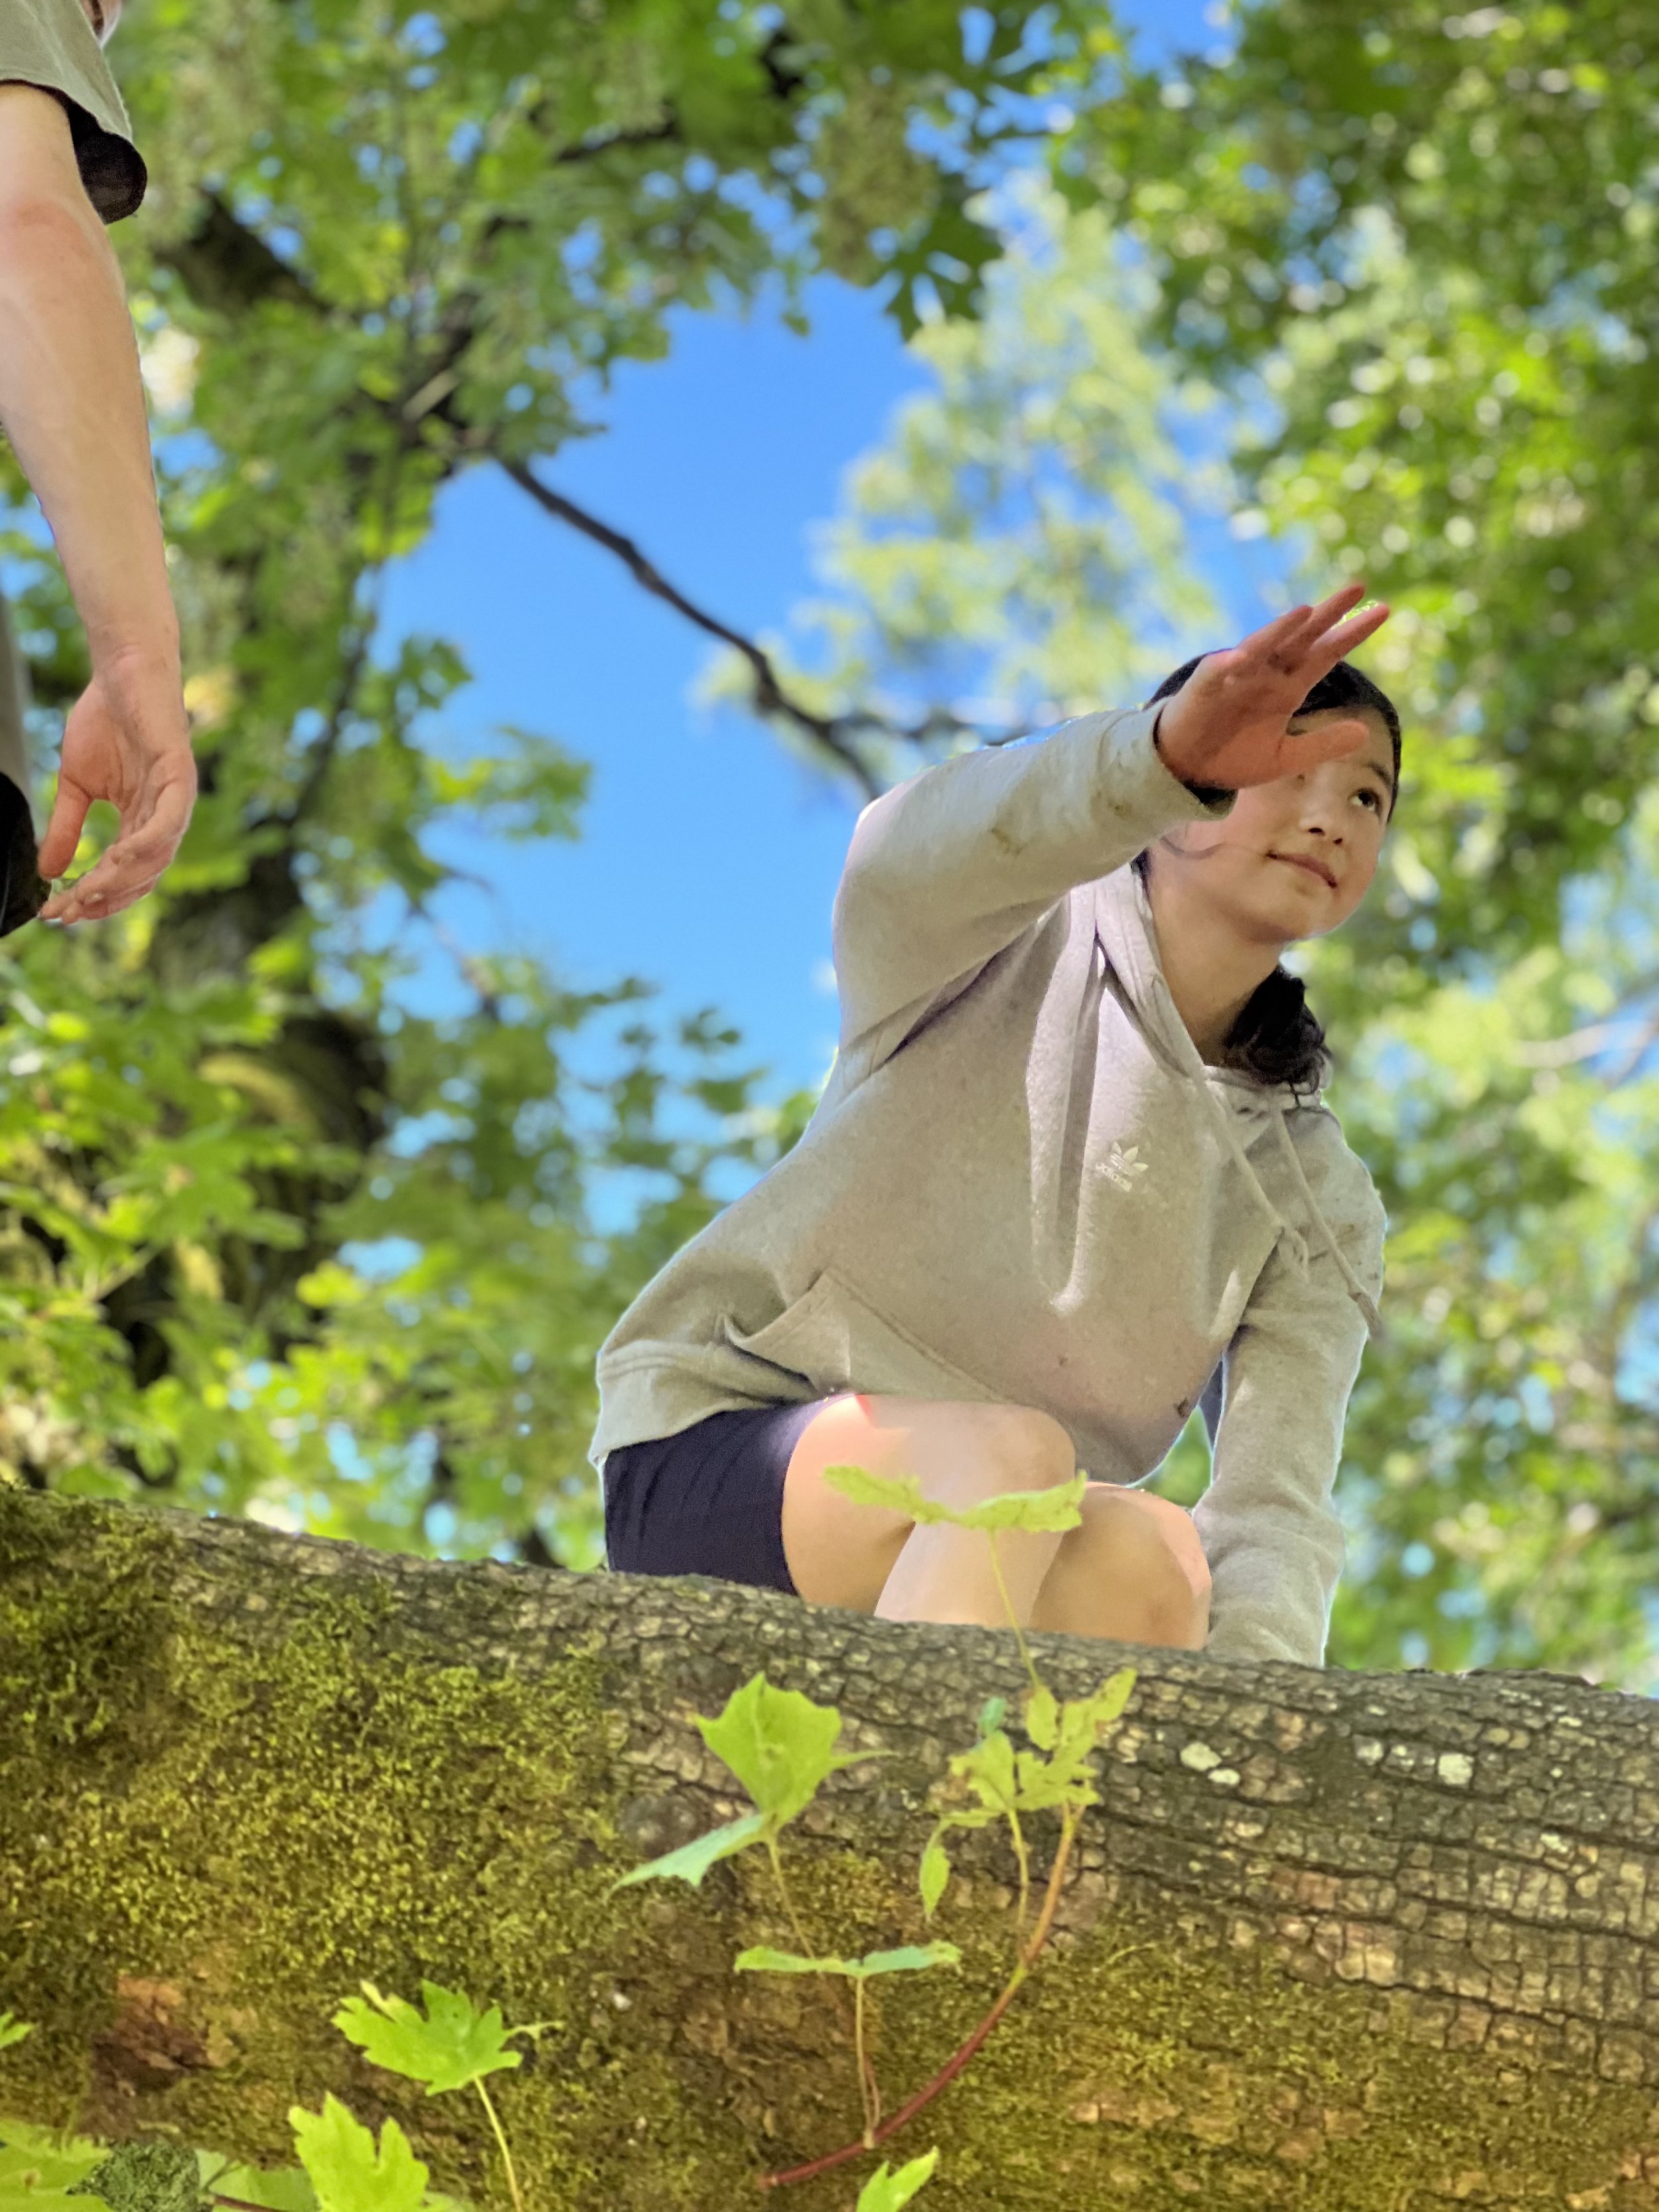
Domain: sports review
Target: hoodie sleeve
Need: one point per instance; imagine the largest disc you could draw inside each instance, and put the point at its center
(949, 868)
(1269, 1529)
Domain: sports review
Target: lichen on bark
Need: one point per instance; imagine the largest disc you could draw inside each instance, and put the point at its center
(1342, 1944)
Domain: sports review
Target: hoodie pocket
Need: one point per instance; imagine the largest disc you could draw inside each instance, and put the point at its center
(836, 1339)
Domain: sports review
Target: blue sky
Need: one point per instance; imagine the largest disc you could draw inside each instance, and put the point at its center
(709, 857)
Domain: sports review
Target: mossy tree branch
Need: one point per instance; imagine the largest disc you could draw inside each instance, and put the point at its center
(1332, 1941)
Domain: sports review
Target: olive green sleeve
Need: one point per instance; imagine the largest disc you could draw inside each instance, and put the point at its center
(50, 43)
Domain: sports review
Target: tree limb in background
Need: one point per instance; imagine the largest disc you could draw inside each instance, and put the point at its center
(832, 734)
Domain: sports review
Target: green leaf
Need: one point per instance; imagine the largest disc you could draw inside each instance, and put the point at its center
(912, 1959)
(452, 2046)
(349, 2170)
(38, 2163)
(283, 2189)
(13, 2030)
(887, 2191)
(989, 1771)
(1036, 1511)
(781, 1746)
(693, 1860)
(935, 1874)
(1042, 1512)
(991, 1715)
(1042, 1718)
(899, 1494)
(1109, 1701)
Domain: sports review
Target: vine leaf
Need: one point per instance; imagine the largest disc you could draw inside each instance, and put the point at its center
(1038, 1512)
(280, 2189)
(13, 2030)
(693, 1860)
(912, 1958)
(452, 2046)
(935, 1874)
(1042, 1718)
(1006, 1782)
(889, 2191)
(782, 1748)
(349, 2169)
(38, 2167)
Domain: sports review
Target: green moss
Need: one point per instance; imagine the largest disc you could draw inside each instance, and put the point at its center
(247, 1839)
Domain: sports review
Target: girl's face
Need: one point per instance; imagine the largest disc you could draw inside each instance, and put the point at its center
(1294, 858)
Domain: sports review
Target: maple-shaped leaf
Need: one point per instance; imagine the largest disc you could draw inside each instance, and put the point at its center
(449, 2046)
(781, 1746)
(349, 2172)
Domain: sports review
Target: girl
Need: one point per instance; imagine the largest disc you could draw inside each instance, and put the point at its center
(1069, 1178)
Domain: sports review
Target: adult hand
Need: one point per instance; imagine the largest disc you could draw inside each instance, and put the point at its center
(126, 740)
(1228, 725)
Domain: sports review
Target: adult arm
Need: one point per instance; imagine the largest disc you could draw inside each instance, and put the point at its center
(71, 401)
(1270, 1530)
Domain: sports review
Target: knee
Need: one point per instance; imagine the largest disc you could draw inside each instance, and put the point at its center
(1151, 1553)
(1017, 1448)
(1173, 1576)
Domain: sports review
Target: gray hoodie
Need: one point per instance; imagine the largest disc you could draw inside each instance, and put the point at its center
(1023, 1184)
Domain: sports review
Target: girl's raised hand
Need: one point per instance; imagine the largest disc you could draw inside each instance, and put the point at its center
(1227, 726)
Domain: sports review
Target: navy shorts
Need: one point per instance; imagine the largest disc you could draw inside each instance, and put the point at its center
(708, 1501)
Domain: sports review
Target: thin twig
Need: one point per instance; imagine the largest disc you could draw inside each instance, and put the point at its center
(828, 731)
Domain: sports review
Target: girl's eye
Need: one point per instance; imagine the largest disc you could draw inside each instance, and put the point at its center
(1372, 799)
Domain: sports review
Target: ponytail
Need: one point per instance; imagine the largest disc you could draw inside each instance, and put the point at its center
(1277, 1037)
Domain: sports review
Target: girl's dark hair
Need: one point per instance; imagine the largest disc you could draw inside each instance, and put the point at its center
(1277, 1037)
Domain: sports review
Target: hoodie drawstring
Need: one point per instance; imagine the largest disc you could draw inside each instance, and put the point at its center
(1356, 1291)
(1288, 1229)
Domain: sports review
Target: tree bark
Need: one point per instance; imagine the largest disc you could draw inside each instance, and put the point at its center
(1353, 1943)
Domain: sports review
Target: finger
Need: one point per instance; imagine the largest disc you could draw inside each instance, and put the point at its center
(130, 867)
(1285, 641)
(1315, 625)
(69, 815)
(1328, 741)
(102, 891)
(1331, 610)
(119, 877)
(1337, 644)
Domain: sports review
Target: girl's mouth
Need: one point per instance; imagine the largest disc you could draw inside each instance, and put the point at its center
(1306, 861)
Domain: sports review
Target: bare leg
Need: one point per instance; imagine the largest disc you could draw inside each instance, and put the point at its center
(860, 1556)
(1133, 1572)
